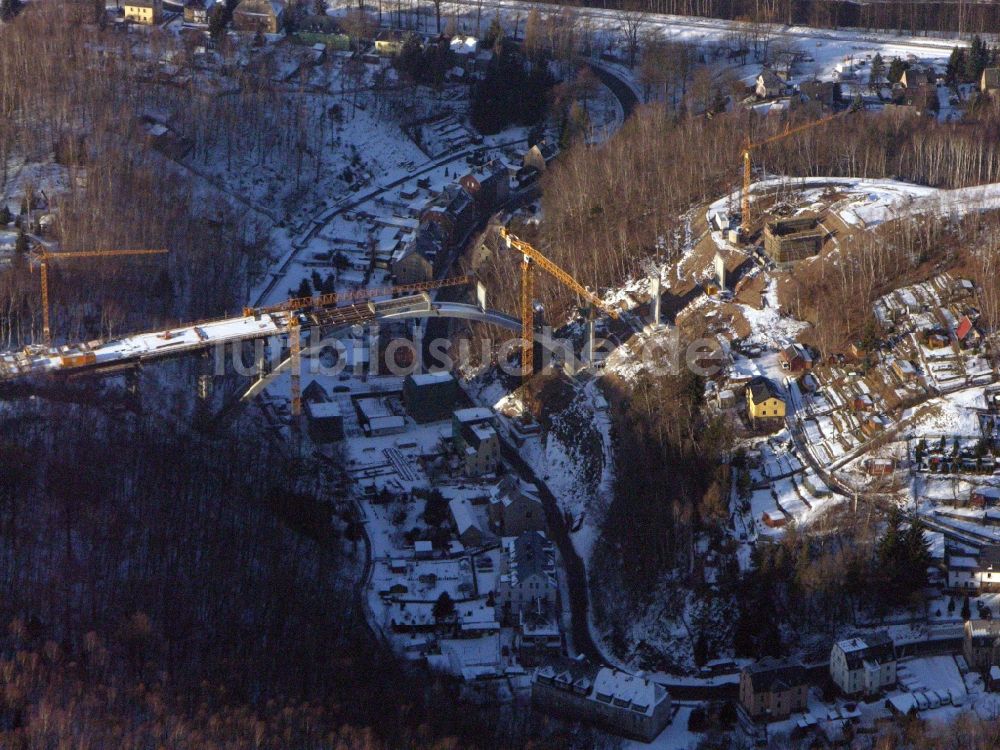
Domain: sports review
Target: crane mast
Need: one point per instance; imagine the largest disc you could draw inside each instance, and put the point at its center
(531, 257)
(749, 147)
(44, 256)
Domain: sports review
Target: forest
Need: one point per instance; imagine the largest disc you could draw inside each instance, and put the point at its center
(614, 211)
(903, 16)
(165, 588)
(76, 102)
(610, 210)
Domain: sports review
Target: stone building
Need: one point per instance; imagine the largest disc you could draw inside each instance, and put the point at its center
(792, 239)
(265, 16)
(773, 689)
(864, 665)
(514, 510)
(981, 646)
(527, 574)
(619, 702)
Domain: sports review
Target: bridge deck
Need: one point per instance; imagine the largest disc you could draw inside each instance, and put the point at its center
(161, 344)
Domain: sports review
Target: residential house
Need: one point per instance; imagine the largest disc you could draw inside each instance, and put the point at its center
(455, 211)
(862, 402)
(527, 573)
(410, 265)
(468, 528)
(984, 497)
(988, 572)
(915, 78)
(389, 42)
(197, 12)
(490, 188)
(726, 398)
(981, 646)
(325, 420)
(539, 633)
(146, 12)
(265, 16)
(967, 334)
(924, 99)
(989, 82)
(904, 370)
(513, 510)
(963, 570)
(795, 358)
(772, 689)
(429, 397)
(419, 259)
(864, 665)
(769, 85)
(538, 156)
(826, 93)
(774, 518)
(619, 702)
(475, 439)
(764, 401)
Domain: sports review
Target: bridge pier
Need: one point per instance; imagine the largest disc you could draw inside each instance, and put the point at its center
(657, 292)
(263, 366)
(205, 387)
(589, 354)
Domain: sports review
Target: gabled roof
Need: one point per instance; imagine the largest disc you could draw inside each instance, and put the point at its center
(761, 389)
(770, 79)
(964, 328)
(872, 647)
(315, 393)
(260, 7)
(530, 557)
(775, 674)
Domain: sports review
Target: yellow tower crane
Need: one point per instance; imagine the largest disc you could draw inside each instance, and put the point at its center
(44, 256)
(531, 257)
(749, 147)
(296, 304)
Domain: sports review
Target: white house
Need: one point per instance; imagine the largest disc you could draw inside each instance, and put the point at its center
(769, 85)
(864, 665)
(969, 573)
(963, 571)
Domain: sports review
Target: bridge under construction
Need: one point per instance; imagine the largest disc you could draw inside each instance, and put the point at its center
(325, 313)
(106, 357)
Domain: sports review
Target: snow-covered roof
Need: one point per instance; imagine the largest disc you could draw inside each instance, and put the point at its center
(620, 687)
(432, 378)
(461, 511)
(324, 410)
(464, 45)
(473, 414)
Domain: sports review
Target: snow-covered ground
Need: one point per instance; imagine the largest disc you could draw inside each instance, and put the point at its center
(868, 203)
